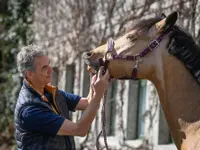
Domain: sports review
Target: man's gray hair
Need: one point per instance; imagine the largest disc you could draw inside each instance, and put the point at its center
(25, 58)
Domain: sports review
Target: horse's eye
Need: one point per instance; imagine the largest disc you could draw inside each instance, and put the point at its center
(133, 40)
(132, 37)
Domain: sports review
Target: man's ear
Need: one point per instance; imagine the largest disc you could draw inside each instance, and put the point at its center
(28, 74)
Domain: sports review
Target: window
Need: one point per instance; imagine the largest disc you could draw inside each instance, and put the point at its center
(70, 72)
(132, 110)
(85, 81)
(55, 77)
(164, 136)
(69, 85)
(141, 108)
(136, 109)
(111, 109)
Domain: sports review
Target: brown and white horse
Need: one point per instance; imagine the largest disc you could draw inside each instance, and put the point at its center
(143, 53)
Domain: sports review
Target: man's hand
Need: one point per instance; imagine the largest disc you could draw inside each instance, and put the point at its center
(100, 83)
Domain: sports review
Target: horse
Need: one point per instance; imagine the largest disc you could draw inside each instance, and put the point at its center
(158, 50)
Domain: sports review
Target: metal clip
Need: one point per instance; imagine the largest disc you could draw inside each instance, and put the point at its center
(138, 58)
(153, 44)
(136, 65)
(111, 45)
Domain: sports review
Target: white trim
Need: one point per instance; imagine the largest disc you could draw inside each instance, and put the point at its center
(165, 147)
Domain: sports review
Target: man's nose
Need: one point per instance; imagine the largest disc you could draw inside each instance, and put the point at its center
(50, 69)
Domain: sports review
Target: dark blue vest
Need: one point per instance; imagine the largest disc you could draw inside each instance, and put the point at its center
(27, 140)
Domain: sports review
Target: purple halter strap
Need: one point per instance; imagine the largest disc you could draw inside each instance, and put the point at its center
(137, 58)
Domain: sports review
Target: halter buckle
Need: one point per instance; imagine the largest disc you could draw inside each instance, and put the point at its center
(153, 44)
(111, 45)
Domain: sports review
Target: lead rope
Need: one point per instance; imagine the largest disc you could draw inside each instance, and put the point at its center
(103, 116)
(103, 110)
(103, 120)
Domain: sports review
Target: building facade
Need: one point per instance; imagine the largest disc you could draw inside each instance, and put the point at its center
(66, 29)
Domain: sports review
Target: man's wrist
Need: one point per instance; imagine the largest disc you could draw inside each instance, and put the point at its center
(96, 96)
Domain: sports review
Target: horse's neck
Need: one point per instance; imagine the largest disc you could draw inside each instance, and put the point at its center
(179, 95)
(176, 84)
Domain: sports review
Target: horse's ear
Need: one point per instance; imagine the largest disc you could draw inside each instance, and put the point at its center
(163, 16)
(167, 22)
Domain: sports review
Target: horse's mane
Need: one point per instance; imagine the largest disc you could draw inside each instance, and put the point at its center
(181, 45)
(184, 48)
(146, 24)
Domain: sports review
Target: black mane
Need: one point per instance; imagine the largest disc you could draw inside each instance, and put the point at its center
(183, 47)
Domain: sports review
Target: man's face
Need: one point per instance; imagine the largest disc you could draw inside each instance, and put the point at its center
(42, 75)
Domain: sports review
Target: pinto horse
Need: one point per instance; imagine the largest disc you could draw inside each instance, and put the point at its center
(160, 51)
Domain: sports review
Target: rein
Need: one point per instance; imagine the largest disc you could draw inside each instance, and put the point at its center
(137, 58)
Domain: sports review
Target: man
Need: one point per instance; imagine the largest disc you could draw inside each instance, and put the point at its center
(42, 111)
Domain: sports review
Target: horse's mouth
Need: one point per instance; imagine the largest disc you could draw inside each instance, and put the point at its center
(91, 70)
(93, 67)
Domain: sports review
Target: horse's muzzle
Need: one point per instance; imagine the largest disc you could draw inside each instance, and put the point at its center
(92, 65)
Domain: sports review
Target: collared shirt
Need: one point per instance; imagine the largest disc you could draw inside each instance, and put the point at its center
(43, 120)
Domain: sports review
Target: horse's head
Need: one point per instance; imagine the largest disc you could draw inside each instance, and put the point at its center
(141, 48)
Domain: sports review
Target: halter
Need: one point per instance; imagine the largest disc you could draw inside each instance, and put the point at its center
(137, 58)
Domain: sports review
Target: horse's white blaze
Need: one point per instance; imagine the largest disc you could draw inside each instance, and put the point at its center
(123, 44)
